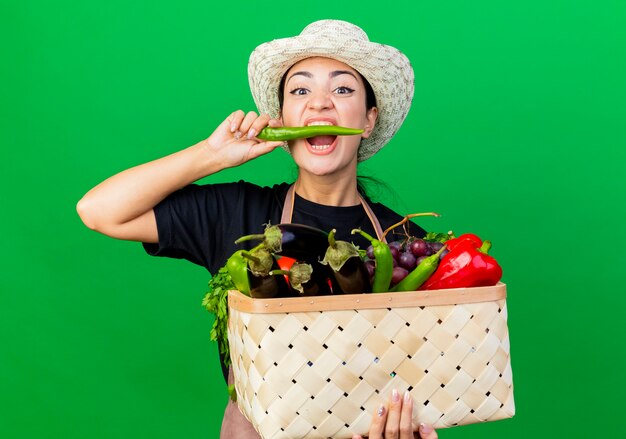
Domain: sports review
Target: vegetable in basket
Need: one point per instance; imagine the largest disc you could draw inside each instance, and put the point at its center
(249, 271)
(452, 242)
(304, 243)
(216, 302)
(419, 274)
(466, 265)
(237, 268)
(384, 271)
(384, 262)
(264, 285)
(307, 279)
(349, 273)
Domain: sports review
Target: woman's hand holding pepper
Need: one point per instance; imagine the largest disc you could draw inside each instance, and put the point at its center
(122, 205)
(395, 421)
(233, 142)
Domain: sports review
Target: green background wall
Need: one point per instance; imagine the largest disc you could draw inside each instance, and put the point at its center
(517, 133)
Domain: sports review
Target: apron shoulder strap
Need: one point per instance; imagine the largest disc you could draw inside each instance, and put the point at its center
(288, 206)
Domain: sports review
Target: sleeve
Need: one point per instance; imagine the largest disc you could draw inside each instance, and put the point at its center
(190, 223)
(200, 223)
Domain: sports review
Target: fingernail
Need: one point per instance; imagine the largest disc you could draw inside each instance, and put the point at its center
(238, 135)
(425, 428)
(233, 127)
(251, 133)
(381, 410)
(407, 397)
(395, 396)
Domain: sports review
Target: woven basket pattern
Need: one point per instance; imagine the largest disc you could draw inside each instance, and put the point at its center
(323, 374)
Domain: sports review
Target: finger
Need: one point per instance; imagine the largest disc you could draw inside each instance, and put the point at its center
(258, 125)
(377, 427)
(275, 123)
(235, 120)
(258, 149)
(247, 121)
(392, 427)
(406, 417)
(427, 432)
(225, 125)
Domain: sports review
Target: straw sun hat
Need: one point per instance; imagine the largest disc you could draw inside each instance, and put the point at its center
(387, 70)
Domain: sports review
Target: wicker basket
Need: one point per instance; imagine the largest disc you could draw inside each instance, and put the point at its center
(319, 367)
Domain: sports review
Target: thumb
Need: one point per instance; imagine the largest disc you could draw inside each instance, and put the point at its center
(259, 149)
(427, 432)
(268, 146)
(357, 436)
(275, 123)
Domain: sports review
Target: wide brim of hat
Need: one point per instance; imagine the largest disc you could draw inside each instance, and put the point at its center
(388, 71)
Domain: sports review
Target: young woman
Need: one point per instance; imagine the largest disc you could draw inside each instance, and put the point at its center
(329, 74)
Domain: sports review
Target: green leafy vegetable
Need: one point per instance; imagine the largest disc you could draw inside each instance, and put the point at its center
(438, 237)
(216, 302)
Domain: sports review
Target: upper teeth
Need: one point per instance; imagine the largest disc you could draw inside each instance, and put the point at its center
(318, 122)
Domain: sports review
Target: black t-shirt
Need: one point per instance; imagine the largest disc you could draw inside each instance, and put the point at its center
(200, 223)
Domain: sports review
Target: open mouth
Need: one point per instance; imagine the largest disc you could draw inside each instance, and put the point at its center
(321, 143)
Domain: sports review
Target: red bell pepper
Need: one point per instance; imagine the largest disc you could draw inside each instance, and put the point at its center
(452, 242)
(467, 264)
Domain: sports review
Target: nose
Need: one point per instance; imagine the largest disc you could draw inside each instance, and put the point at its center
(320, 101)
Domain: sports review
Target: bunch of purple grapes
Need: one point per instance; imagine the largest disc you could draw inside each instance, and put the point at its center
(407, 254)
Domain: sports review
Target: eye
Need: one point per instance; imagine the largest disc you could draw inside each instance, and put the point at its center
(299, 91)
(344, 90)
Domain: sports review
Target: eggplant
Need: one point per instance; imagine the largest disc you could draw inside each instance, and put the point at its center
(268, 286)
(307, 279)
(263, 284)
(319, 284)
(351, 278)
(304, 243)
(348, 271)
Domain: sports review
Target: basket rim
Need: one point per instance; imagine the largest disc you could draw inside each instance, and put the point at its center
(452, 296)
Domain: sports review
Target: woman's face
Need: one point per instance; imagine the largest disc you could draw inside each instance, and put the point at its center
(326, 91)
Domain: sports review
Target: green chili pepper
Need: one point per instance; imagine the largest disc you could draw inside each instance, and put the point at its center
(419, 274)
(292, 133)
(237, 267)
(384, 263)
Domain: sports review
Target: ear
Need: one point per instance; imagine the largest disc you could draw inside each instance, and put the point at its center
(371, 116)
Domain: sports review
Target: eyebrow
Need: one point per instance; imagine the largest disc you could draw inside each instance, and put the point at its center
(332, 74)
(336, 73)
